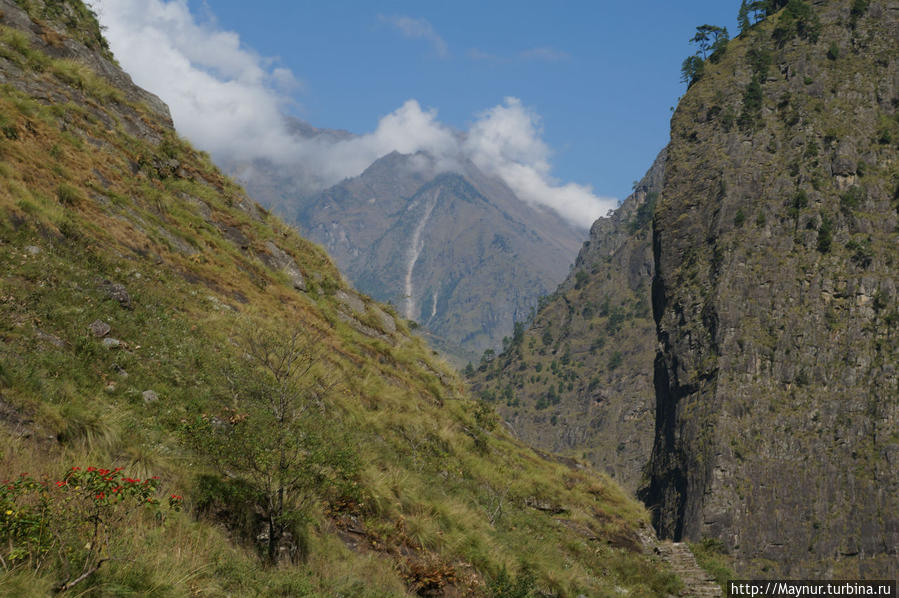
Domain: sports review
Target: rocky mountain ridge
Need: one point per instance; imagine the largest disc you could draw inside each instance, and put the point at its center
(772, 283)
(479, 262)
(456, 252)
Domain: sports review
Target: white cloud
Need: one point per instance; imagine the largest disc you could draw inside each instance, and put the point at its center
(417, 29)
(506, 141)
(228, 100)
(407, 130)
(220, 93)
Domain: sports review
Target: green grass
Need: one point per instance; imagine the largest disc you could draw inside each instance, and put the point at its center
(443, 497)
(711, 556)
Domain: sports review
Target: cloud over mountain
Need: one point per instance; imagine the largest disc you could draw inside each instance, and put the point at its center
(229, 100)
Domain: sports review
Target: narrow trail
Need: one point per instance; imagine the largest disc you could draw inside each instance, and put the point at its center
(697, 583)
(414, 251)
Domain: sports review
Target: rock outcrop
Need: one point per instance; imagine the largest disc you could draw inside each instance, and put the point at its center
(775, 297)
(771, 405)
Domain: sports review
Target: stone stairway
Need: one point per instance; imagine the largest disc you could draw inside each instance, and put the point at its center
(697, 583)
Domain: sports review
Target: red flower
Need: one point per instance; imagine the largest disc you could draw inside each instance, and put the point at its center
(76, 469)
(100, 496)
(92, 469)
(103, 471)
(60, 483)
(119, 468)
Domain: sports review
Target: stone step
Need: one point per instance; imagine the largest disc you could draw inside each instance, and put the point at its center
(697, 583)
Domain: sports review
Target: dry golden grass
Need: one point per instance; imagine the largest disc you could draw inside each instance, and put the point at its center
(440, 491)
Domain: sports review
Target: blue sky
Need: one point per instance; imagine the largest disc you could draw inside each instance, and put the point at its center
(604, 98)
(597, 79)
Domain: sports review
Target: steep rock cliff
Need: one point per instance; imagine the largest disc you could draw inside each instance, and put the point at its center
(775, 244)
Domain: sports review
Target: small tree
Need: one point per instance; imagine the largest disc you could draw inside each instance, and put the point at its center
(759, 9)
(743, 17)
(711, 42)
(691, 70)
(276, 435)
(708, 38)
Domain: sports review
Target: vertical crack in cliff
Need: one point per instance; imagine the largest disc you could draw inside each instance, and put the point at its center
(414, 251)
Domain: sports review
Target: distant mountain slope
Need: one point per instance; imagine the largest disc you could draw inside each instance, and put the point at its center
(152, 316)
(579, 379)
(458, 253)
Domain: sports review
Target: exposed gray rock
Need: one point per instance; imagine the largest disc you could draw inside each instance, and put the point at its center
(149, 396)
(49, 338)
(775, 413)
(387, 321)
(112, 343)
(279, 259)
(845, 160)
(32, 249)
(360, 327)
(352, 301)
(99, 328)
(118, 292)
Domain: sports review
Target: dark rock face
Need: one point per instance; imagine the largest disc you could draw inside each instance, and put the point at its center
(579, 380)
(775, 248)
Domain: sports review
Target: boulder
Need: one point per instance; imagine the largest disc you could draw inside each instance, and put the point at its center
(118, 292)
(99, 328)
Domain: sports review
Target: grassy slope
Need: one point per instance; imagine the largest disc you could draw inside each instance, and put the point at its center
(446, 496)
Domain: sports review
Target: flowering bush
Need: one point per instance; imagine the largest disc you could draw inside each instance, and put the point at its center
(67, 523)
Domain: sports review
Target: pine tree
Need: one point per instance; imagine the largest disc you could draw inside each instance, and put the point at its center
(743, 17)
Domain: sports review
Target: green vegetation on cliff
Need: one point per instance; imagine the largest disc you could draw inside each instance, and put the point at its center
(579, 380)
(776, 302)
(772, 274)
